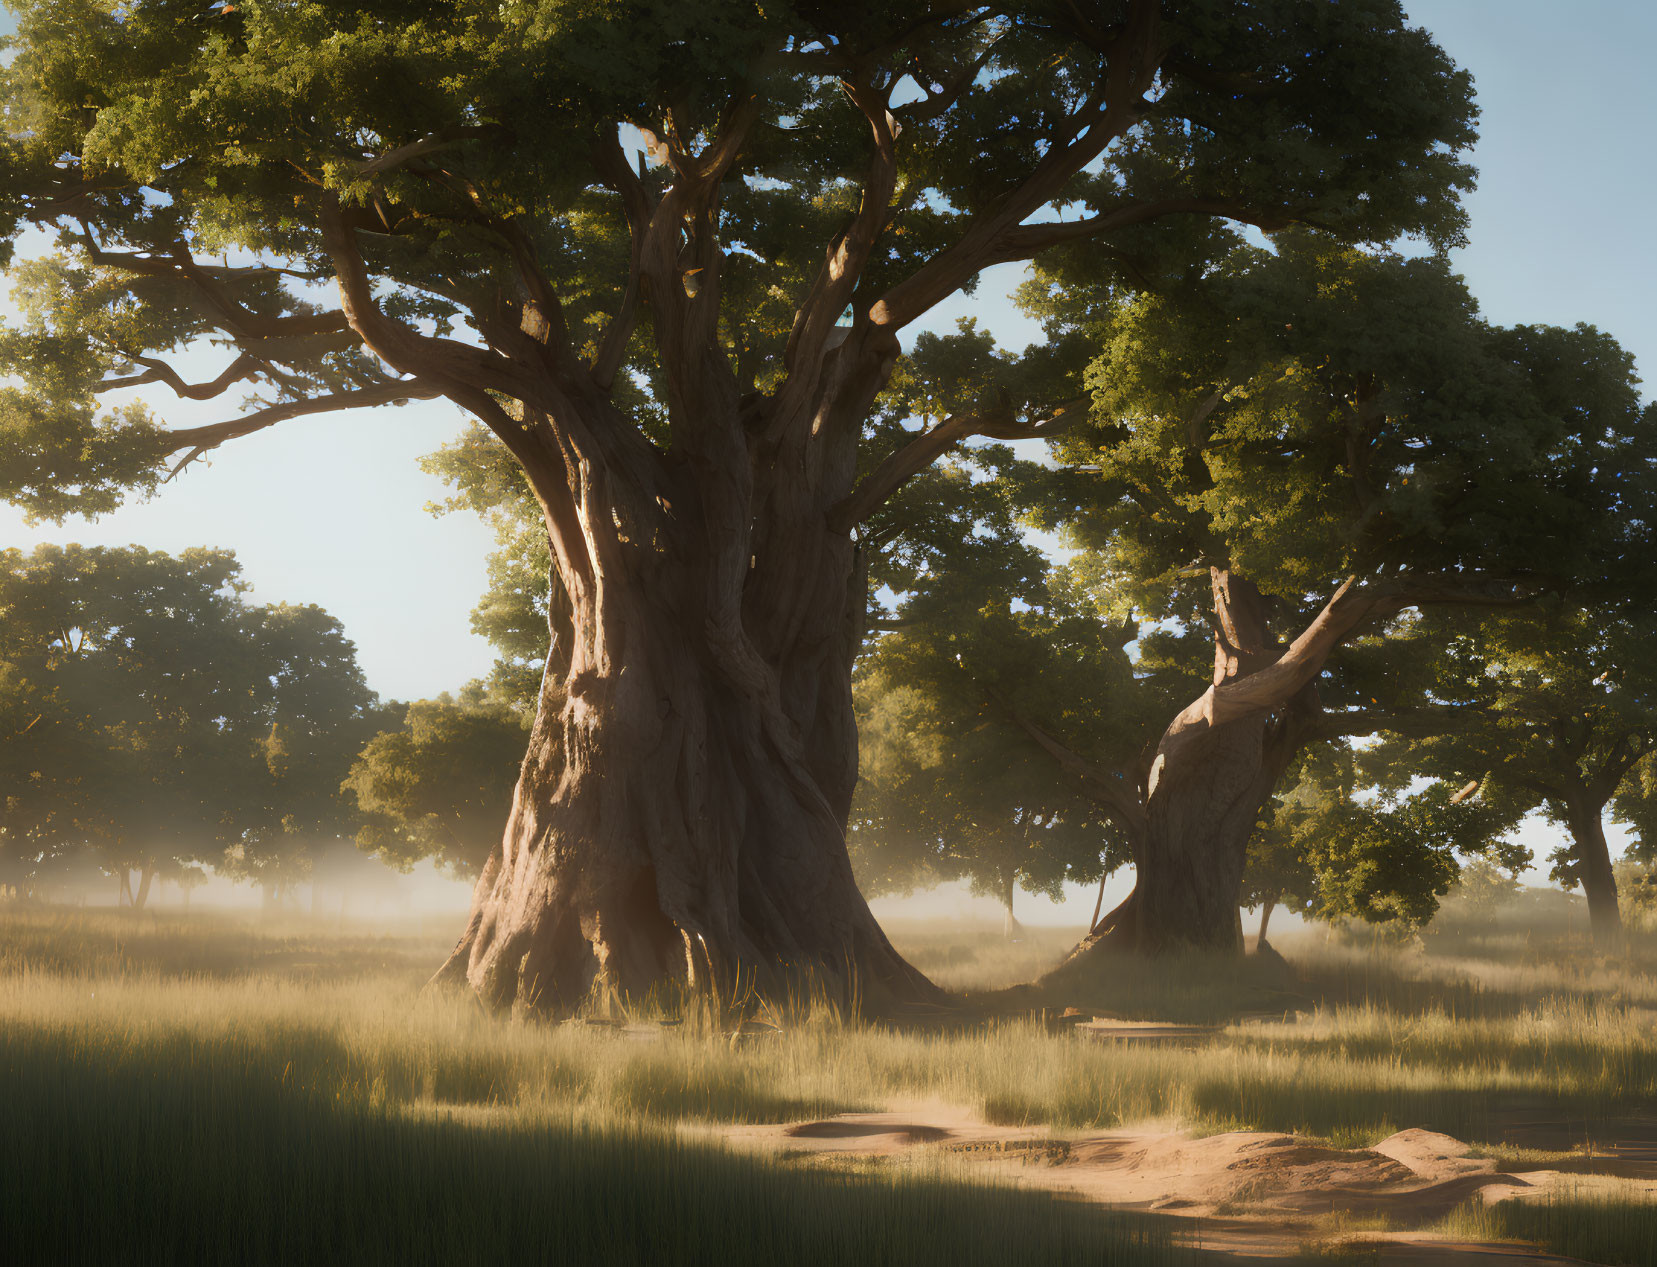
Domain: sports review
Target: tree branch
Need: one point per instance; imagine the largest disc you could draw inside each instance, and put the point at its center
(1132, 59)
(638, 209)
(243, 367)
(1269, 687)
(443, 139)
(236, 318)
(1109, 788)
(1414, 723)
(836, 281)
(402, 347)
(201, 439)
(902, 466)
(1025, 240)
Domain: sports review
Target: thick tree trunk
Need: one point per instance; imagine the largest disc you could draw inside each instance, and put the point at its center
(1207, 789)
(1216, 768)
(1266, 909)
(680, 815)
(1599, 883)
(661, 831)
(146, 877)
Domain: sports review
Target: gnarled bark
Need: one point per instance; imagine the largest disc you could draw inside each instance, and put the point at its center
(1217, 766)
(680, 815)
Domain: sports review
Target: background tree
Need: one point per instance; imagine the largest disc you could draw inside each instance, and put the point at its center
(1485, 887)
(437, 202)
(1326, 438)
(126, 669)
(152, 714)
(440, 785)
(946, 796)
(1560, 709)
(314, 716)
(997, 701)
(1335, 850)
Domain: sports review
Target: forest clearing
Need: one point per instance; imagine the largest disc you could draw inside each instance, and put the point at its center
(1397, 1102)
(796, 632)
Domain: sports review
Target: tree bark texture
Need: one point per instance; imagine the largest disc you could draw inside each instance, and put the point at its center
(1216, 768)
(680, 815)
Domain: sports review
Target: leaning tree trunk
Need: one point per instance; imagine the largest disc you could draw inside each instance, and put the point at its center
(1215, 770)
(1599, 883)
(1209, 784)
(680, 815)
(1266, 909)
(146, 877)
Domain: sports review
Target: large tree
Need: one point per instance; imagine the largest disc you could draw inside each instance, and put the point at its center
(1324, 439)
(680, 347)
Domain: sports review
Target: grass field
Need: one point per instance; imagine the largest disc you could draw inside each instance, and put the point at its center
(209, 1089)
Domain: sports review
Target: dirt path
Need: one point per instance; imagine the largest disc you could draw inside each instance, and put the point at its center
(1252, 1196)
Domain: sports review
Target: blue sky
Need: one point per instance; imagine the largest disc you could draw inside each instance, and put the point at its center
(333, 510)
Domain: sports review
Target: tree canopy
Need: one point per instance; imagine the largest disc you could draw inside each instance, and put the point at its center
(668, 256)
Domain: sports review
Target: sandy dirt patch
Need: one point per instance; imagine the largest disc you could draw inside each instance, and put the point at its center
(1257, 1196)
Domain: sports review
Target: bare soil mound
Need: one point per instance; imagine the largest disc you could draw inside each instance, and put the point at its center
(1255, 1195)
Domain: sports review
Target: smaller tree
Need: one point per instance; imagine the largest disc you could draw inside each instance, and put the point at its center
(945, 796)
(1332, 855)
(1486, 886)
(313, 717)
(997, 700)
(1558, 713)
(149, 712)
(439, 785)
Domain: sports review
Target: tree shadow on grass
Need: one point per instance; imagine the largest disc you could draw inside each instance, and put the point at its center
(144, 1157)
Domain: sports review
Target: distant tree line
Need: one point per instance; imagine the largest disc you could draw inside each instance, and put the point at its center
(154, 722)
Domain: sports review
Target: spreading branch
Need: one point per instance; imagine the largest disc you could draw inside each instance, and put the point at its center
(201, 439)
(243, 367)
(446, 361)
(443, 139)
(1132, 59)
(900, 467)
(208, 283)
(1109, 788)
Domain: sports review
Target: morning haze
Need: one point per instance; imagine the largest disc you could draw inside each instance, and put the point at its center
(1035, 650)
